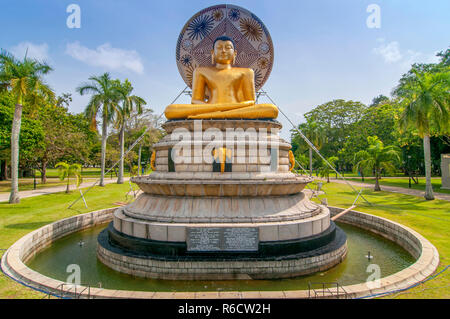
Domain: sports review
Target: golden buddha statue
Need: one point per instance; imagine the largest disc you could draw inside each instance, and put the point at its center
(222, 91)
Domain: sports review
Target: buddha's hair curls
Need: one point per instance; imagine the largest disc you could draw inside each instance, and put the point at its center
(224, 38)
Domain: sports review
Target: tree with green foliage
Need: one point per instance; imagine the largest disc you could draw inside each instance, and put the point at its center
(24, 79)
(104, 100)
(136, 126)
(380, 120)
(337, 119)
(302, 159)
(325, 170)
(67, 137)
(128, 103)
(67, 170)
(31, 136)
(380, 99)
(376, 158)
(315, 133)
(426, 100)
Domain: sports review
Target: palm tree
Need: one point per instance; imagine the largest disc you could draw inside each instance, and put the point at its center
(302, 159)
(104, 99)
(24, 79)
(325, 170)
(66, 170)
(129, 103)
(377, 157)
(356, 158)
(426, 97)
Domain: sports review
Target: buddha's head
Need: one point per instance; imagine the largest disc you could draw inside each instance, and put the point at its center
(223, 51)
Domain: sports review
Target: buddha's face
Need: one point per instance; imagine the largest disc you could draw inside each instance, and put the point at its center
(224, 52)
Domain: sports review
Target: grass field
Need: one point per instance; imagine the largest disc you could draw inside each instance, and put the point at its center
(430, 218)
(19, 219)
(26, 184)
(404, 182)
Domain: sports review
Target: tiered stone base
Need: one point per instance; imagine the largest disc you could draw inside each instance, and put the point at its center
(193, 222)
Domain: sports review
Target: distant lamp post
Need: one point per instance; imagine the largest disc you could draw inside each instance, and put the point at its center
(407, 168)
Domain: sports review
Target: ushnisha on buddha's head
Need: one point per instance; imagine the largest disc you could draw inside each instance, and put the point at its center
(223, 51)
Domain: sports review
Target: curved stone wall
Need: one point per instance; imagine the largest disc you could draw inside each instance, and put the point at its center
(13, 261)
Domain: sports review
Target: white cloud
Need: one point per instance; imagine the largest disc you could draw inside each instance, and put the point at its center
(107, 57)
(391, 53)
(35, 51)
(418, 57)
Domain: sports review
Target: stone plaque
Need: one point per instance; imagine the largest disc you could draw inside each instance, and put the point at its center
(209, 239)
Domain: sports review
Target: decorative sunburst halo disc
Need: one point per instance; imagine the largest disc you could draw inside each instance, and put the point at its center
(251, 37)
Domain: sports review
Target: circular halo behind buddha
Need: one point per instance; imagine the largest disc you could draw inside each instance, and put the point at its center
(253, 42)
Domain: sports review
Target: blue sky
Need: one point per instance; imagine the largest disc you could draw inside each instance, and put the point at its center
(323, 49)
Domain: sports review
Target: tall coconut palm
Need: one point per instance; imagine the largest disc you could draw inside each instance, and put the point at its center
(104, 99)
(127, 104)
(24, 79)
(426, 97)
(377, 157)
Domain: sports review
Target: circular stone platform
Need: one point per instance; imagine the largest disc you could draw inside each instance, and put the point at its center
(14, 259)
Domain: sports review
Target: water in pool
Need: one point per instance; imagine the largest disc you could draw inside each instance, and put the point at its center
(53, 262)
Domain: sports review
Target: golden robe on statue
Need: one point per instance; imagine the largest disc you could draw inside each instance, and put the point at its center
(222, 91)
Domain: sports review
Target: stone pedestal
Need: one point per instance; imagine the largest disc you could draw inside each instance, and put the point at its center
(201, 217)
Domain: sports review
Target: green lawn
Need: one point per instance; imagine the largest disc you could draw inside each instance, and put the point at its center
(26, 184)
(403, 182)
(34, 212)
(353, 174)
(430, 218)
(85, 172)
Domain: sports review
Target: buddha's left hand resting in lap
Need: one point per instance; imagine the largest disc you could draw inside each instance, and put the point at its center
(231, 90)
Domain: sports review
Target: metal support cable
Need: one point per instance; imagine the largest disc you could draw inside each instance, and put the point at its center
(129, 150)
(314, 148)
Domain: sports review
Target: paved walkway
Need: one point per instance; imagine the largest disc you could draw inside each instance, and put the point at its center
(394, 189)
(4, 197)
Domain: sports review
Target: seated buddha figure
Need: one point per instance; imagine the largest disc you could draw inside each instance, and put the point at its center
(222, 91)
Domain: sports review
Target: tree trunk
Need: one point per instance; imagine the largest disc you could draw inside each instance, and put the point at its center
(310, 162)
(377, 184)
(4, 169)
(122, 151)
(15, 133)
(139, 160)
(68, 181)
(103, 160)
(427, 154)
(362, 176)
(44, 172)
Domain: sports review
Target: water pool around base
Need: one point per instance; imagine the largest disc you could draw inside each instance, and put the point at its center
(80, 248)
